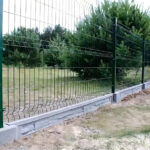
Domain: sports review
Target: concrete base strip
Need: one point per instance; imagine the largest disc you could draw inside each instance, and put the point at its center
(30, 125)
(118, 96)
(146, 85)
(8, 133)
(27, 126)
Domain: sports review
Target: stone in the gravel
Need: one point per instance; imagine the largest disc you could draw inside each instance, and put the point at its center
(85, 144)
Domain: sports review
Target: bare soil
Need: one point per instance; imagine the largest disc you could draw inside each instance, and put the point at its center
(122, 126)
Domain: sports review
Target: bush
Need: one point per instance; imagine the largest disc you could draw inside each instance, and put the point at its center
(52, 56)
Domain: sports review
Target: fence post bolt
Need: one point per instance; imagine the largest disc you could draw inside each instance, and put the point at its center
(1, 49)
(114, 39)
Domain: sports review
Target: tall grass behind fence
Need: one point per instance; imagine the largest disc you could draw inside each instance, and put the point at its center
(44, 71)
(146, 61)
(32, 82)
(128, 57)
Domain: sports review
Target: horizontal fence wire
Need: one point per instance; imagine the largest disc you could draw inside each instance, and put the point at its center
(42, 69)
(147, 61)
(129, 58)
(58, 53)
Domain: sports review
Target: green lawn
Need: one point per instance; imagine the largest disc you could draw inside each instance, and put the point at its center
(25, 87)
(28, 87)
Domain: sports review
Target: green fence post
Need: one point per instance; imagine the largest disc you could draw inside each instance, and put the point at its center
(114, 38)
(143, 60)
(1, 49)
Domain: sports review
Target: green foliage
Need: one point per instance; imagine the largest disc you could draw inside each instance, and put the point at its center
(50, 34)
(52, 41)
(28, 47)
(52, 56)
(22, 46)
(94, 34)
(88, 50)
(128, 14)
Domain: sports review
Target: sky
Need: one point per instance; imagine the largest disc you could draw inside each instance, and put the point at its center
(145, 4)
(43, 13)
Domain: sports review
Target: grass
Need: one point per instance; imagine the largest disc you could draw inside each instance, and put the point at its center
(49, 82)
(25, 86)
(133, 78)
(143, 130)
(121, 121)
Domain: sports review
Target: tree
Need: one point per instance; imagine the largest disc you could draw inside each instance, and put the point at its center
(22, 46)
(50, 34)
(53, 41)
(58, 31)
(46, 37)
(52, 55)
(93, 38)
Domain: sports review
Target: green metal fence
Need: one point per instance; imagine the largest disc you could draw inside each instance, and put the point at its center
(47, 66)
(1, 48)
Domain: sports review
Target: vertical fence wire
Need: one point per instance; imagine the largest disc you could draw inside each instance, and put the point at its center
(1, 49)
(54, 57)
(129, 58)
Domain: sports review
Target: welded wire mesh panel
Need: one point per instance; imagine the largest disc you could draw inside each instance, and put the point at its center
(54, 55)
(61, 52)
(147, 62)
(129, 58)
